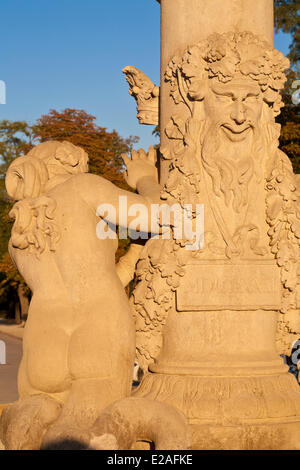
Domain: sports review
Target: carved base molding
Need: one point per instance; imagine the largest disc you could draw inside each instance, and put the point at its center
(260, 412)
(208, 369)
(267, 436)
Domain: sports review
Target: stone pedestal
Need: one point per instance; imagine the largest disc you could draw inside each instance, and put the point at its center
(222, 371)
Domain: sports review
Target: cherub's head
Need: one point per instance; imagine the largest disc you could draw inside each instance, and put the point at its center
(45, 165)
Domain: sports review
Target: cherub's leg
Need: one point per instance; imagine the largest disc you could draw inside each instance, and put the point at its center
(23, 423)
(88, 397)
(100, 359)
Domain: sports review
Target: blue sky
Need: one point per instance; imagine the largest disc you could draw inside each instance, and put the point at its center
(70, 53)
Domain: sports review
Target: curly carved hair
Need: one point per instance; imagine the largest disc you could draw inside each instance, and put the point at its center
(28, 176)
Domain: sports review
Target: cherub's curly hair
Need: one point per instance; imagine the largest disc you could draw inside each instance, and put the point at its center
(27, 176)
(26, 182)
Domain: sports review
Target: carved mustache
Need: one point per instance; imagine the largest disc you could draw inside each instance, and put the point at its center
(240, 127)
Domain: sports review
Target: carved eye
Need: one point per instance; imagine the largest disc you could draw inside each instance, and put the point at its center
(250, 99)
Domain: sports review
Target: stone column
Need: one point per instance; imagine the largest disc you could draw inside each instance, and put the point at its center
(216, 309)
(186, 22)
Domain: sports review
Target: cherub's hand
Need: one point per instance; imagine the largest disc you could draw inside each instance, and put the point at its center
(140, 164)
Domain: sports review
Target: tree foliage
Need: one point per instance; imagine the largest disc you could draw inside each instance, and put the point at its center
(104, 148)
(78, 127)
(290, 123)
(287, 19)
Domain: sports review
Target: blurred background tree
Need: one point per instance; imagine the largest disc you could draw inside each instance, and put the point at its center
(287, 19)
(16, 139)
(287, 16)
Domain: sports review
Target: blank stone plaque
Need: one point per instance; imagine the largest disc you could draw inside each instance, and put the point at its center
(217, 286)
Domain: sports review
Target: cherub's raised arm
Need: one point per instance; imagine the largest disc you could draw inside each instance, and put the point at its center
(142, 173)
(115, 205)
(121, 207)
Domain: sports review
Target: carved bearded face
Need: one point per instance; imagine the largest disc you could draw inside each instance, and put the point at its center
(232, 146)
(236, 106)
(230, 83)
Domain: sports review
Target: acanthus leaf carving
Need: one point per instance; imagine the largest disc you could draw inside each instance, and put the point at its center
(158, 273)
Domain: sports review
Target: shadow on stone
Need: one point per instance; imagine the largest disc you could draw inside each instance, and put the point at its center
(66, 444)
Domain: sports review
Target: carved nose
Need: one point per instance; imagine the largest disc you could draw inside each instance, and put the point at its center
(238, 114)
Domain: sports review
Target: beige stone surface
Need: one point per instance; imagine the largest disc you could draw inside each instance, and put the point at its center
(127, 422)
(209, 322)
(2, 406)
(79, 339)
(187, 22)
(23, 423)
(219, 286)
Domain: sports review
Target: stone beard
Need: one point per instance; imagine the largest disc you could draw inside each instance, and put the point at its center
(232, 83)
(221, 148)
(232, 166)
(233, 147)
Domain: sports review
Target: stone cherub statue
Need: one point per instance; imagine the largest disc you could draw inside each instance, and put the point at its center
(206, 319)
(221, 150)
(79, 341)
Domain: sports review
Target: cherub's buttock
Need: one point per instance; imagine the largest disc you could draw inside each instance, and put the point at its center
(47, 360)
